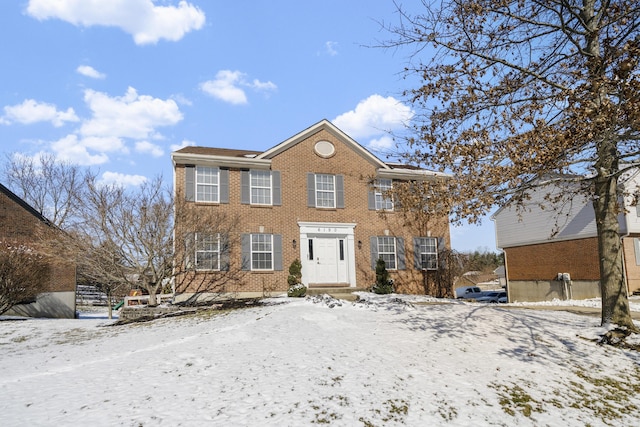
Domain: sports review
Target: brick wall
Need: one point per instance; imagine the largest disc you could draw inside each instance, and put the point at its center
(21, 226)
(544, 261)
(293, 164)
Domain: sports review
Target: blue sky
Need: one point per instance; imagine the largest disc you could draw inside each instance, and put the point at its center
(117, 85)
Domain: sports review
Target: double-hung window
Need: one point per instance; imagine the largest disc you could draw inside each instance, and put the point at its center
(207, 184)
(387, 251)
(325, 191)
(426, 253)
(262, 252)
(383, 199)
(207, 248)
(260, 187)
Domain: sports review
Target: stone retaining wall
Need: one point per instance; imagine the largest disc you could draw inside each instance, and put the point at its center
(130, 313)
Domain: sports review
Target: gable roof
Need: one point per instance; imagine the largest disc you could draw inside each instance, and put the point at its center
(262, 160)
(325, 125)
(26, 206)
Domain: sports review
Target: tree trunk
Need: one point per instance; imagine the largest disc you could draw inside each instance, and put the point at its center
(153, 300)
(615, 304)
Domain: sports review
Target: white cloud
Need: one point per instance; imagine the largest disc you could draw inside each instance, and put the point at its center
(263, 86)
(225, 87)
(128, 116)
(331, 48)
(122, 179)
(145, 21)
(184, 143)
(115, 121)
(383, 143)
(72, 150)
(374, 116)
(228, 87)
(31, 111)
(105, 144)
(148, 148)
(89, 71)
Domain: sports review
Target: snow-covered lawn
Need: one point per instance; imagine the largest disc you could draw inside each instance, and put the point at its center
(386, 361)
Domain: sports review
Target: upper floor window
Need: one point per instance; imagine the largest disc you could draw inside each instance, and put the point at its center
(383, 199)
(207, 247)
(325, 190)
(426, 253)
(207, 184)
(260, 187)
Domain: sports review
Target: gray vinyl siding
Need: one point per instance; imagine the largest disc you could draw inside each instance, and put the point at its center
(534, 225)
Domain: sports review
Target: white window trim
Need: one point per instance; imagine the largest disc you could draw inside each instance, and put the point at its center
(251, 187)
(394, 253)
(333, 192)
(435, 240)
(382, 199)
(216, 171)
(198, 250)
(262, 252)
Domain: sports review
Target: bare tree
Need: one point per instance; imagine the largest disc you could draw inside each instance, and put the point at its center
(127, 239)
(23, 274)
(205, 240)
(421, 209)
(125, 236)
(517, 93)
(52, 187)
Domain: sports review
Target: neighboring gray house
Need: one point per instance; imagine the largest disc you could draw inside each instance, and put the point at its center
(552, 252)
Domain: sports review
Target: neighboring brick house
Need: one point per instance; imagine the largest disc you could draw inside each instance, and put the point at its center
(542, 244)
(310, 198)
(23, 225)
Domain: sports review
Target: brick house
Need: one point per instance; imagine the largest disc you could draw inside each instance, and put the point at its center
(22, 224)
(542, 244)
(310, 198)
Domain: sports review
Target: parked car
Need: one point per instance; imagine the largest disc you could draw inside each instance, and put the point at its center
(492, 297)
(504, 299)
(468, 292)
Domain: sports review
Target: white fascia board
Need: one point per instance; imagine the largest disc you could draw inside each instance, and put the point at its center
(411, 174)
(224, 161)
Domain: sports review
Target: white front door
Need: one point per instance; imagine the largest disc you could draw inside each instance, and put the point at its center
(327, 254)
(325, 259)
